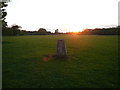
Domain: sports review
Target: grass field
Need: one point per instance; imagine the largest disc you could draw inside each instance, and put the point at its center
(92, 62)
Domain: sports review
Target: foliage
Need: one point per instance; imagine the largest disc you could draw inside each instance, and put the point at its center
(3, 14)
(42, 31)
(103, 31)
(14, 30)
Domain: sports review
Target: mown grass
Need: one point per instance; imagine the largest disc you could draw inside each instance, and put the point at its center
(92, 62)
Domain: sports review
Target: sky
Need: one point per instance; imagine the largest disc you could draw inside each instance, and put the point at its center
(65, 15)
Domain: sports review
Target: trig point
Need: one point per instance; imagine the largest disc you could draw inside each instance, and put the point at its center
(61, 48)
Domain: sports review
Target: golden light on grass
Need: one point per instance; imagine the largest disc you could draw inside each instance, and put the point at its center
(75, 34)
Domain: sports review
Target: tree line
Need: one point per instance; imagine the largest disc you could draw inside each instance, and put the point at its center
(15, 30)
(102, 31)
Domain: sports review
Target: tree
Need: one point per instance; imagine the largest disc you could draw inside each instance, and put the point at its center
(16, 29)
(3, 15)
(42, 31)
(8, 31)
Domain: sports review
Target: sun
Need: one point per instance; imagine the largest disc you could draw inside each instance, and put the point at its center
(75, 33)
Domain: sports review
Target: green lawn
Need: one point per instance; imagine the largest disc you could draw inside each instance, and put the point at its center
(92, 62)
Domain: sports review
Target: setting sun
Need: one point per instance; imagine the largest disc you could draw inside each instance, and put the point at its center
(75, 33)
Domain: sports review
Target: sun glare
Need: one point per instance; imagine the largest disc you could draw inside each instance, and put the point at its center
(75, 32)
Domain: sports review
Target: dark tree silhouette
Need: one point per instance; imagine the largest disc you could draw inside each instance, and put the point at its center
(42, 31)
(3, 14)
(16, 29)
(102, 31)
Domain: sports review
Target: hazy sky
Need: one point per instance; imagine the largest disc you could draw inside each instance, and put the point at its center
(65, 15)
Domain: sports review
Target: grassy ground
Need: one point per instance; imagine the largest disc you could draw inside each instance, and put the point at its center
(92, 62)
